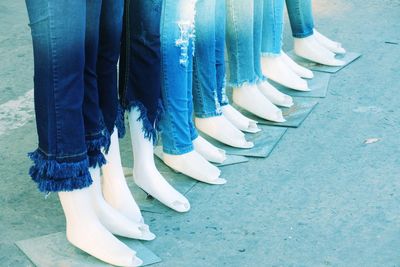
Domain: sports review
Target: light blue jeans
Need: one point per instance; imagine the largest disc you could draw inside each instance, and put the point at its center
(243, 41)
(209, 64)
(272, 27)
(177, 49)
(301, 17)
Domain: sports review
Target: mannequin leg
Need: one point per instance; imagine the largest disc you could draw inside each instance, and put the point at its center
(239, 120)
(299, 70)
(115, 188)
(273, 65)
(86, 232)
(333, 46)
(146, 175)
(115, 222)
(241, 55)
(208, 114)
(306, 43)
(176, 61)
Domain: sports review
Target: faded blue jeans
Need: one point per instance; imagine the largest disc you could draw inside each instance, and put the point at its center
(301, 17)
(243, 39)
(272, 27)
(70, 124)
(177, 49)
(209, 63)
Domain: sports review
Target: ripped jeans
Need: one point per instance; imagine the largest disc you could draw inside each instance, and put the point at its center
(209, 63)
(301, 17)
(243, 40)
(177, 49)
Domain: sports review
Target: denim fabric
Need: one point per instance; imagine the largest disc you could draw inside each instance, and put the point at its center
(243, 38)
(208, 62)
(272, 28)
(140, 65)
(70, 125)
(108, 55)
(301, 17)
(177, 48)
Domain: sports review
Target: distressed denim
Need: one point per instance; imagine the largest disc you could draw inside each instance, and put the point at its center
(70, 125)
(140, 64)
(243, 40)
(272, 27)
(208, 63)
(107, 61)
(177, 49)
(300, 17)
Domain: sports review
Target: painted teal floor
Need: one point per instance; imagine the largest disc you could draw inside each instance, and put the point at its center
(323, 197)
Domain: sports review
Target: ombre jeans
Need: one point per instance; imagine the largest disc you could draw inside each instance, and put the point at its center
(69, 116)
(301, 17)
(209, 63)
(177, 49)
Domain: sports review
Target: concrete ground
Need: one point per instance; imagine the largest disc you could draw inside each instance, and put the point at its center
(323, 198)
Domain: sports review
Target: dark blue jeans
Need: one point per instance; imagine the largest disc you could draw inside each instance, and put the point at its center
(70, 123)
(301, 17)
(140, 63)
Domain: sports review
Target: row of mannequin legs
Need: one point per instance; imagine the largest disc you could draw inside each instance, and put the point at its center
(76, 101)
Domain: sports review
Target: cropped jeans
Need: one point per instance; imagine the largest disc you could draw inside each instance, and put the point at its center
(70, 124)
(177, 49)
(301, 17)
(140, 63)
(209, 64)
(272, 27)
(243, 40)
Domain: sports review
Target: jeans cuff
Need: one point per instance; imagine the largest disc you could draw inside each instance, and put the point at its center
(244, 83)
(271, 54)
(50, 175)
(180, 151)
(303, 34)
(150, 128)
(208, 114)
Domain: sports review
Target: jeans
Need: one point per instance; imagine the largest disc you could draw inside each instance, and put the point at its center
(177, 48)
(243, 38)
(272, 28)
(140, 63)
(107, 61)
(70, 124)
(209, 63)
(301, 17)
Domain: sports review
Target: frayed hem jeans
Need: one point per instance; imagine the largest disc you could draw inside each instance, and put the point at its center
(75, 47)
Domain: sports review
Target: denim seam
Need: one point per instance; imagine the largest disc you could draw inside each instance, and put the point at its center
(244, 83)
(303, 35)
(60, 157)
(181, 151)
(208, 114)
(53, 52)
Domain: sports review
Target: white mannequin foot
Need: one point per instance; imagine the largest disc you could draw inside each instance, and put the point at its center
(195, 166)
(222, 130)
(332, 46)
(275, 96)
(115, 222)
(275, 68)
(208, 150)
(146, 175)
(251, 99)
(299, 70)
(239, 120)
(115, 188)
(85, 231)
(310, 49)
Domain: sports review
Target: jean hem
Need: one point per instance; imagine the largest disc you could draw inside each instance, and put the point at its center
(207, 114)
(270, 54)
(181, 151)
(51, 175)
(244, 83)
(303, 35)
(149, 129)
